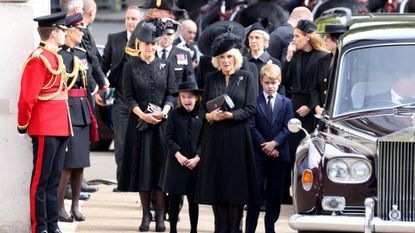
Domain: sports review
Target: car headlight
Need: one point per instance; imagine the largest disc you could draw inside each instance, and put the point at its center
(360, 170)
(337, 170)
(349, 170)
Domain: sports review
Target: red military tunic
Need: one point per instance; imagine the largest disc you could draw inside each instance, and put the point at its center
(42, 107)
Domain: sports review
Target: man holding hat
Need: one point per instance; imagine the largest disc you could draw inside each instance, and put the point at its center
(44, 115)
(179, 58)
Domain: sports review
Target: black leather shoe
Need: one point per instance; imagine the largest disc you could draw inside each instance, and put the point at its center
(87, 188)
(84, 196)
(65, 219)
(56, 231)
(115, 190)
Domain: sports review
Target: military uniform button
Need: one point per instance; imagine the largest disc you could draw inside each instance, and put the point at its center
(325, 92)
(325, 80)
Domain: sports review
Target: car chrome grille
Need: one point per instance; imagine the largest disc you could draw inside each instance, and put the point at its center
(354, 211)
(396, 177)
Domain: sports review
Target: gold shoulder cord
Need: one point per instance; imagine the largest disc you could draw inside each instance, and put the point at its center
(77, 65)
(60, 71)
(132, 52)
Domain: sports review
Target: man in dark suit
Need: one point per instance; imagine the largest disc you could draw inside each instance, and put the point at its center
(179, 58)
(186, 39)
(281, 37)
(113, 60)
(269, 135)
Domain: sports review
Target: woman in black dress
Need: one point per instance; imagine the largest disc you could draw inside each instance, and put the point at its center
(148, 81)
(227, 177)
(182, 136)
(306, 55)
(77, 154)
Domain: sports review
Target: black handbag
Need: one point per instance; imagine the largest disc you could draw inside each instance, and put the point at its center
(223, 102)
(141, 124)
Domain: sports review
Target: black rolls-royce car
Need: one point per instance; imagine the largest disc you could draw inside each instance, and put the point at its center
(356, 172)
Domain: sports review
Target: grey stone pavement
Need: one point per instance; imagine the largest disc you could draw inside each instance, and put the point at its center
(107, 211)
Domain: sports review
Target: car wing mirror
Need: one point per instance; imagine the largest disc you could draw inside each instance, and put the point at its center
(294, 126)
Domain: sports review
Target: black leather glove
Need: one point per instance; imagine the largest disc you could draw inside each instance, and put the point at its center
(21, 131)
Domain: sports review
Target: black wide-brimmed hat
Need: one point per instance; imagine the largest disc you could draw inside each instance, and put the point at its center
(53, 20)
(169, 5)
(149, 30)
(220, 37)
(188, 86)
(306, 26)
(335, 29)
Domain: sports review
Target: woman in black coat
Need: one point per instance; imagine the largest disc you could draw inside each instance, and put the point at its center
(182, 136)
(148, 81)
(227, 177)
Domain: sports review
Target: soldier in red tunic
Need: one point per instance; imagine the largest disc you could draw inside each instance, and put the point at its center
(43, 114)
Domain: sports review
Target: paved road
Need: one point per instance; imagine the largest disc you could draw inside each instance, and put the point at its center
(120, 212)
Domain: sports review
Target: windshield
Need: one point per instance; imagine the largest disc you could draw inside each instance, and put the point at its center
(375, 77)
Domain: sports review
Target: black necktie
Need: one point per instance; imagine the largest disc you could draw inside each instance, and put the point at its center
(269, 105)
(164, 54)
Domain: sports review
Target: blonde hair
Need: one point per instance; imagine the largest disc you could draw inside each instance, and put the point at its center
(315, 40)
(236, 55)
(271, 71)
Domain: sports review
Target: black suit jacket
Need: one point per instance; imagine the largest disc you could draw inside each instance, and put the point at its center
(93, 57)
(265, 129)
(182, 64)
(113, 58)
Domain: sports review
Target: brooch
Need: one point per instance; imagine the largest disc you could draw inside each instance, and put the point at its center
(162, 65)
(239, 79)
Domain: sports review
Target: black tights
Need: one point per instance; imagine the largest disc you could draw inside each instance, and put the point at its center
(160, 200)
(174, 202)
(227, 217)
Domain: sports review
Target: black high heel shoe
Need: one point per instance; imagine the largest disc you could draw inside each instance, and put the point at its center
(160, 227)
(145, 224)
(78, 217)
(65, 219)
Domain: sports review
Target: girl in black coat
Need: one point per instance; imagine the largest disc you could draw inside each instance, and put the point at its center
(182, 137)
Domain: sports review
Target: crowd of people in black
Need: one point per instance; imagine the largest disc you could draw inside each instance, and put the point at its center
(207, 120)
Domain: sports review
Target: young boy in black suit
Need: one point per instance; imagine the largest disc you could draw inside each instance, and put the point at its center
(269, 135)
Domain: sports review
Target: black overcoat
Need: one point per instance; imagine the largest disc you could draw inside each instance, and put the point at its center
(183, 133)
(227, 166)
(144, 150)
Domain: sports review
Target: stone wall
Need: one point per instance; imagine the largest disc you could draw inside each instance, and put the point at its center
(19, 38)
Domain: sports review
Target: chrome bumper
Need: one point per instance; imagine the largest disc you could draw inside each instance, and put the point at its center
(367, 224)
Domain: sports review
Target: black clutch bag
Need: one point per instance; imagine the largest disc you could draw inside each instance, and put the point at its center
(141, 124)
(223, 102)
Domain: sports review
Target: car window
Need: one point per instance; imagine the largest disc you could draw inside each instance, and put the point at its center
(367, 76)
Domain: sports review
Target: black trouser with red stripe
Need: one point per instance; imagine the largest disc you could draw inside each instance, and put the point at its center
(48, 157)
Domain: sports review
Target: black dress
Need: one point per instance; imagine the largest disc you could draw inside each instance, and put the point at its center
(77, 153)
(144, 150)
(299, 77)
(227, 166)
(182, 134)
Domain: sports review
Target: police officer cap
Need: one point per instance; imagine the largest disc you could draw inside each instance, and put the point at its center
(75, 20)
(335, 29)
(170, 25)
(169, 5)
(220, 37)
(53, 20)
(306, 26)
(150, 30)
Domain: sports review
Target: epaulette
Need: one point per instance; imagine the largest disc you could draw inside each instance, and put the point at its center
(79, 48)
(37, 52)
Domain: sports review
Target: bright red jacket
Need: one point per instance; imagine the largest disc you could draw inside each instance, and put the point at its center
(42, 108)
